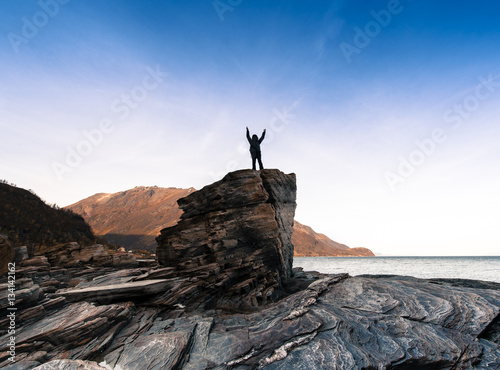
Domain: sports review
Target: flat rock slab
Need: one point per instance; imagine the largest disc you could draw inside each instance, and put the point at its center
(116, 292)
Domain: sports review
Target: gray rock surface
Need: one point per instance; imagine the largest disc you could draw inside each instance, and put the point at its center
(70, 365)
(334, 321)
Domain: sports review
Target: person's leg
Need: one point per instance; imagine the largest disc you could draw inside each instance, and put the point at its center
(261, 166)
(254, 157)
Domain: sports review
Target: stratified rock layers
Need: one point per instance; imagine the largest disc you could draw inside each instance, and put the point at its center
(337, 322)
(242, 223)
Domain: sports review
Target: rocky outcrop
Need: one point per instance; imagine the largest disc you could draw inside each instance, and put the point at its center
(240, 229)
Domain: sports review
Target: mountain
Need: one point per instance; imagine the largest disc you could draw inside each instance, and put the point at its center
(134, 218)
(28, 220)
(308, 243)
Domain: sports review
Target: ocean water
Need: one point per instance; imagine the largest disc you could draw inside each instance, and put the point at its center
(476, 268)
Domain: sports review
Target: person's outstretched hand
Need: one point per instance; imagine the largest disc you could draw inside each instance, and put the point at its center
(264, 130)
(247, 128)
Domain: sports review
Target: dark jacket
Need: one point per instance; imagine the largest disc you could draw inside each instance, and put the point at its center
(255, 142)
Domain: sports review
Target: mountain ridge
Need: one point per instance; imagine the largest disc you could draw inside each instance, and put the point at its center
(134, 217)
(309, 243)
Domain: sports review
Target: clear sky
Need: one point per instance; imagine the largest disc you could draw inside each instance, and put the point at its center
(387, 111)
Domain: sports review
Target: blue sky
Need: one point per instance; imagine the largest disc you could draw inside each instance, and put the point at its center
(387, 111)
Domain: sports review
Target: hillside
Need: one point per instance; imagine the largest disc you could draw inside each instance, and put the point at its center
(134, 218)
(28, 220)
(308, 243)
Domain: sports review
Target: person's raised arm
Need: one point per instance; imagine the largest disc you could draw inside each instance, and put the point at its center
(248, 136)
(262, 137)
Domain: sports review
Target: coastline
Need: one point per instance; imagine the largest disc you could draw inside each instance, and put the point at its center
(484, 268)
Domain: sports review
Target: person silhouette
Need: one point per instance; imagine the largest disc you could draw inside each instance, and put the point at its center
(255, 148)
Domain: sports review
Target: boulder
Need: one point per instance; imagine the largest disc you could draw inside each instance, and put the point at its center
(37, 261)
(124, 260)
(242, 224)
(7, 254)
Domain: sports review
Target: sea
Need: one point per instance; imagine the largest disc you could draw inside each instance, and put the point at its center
(475, 268)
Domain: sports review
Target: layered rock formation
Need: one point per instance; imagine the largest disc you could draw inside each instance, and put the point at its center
(240, 227)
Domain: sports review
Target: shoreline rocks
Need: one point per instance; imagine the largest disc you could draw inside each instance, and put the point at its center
(331, 321)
